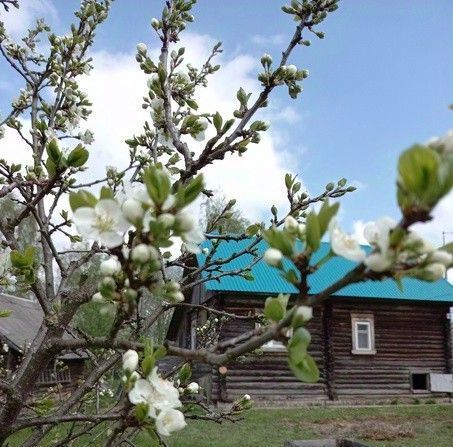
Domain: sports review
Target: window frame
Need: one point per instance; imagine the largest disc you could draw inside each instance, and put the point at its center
(365, 319)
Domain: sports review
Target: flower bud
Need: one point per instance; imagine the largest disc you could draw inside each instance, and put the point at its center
(291, 225)
(110, 267)
(177, 296)
(142, 48)
(184, 222)
(246, 397)
(173, 286)
(301, 229)
(130, 360)
(266, 59)
(141, 253)
(434, 271)
(166, 219)
(273, 256)
(193, 388)
(441, 256)
(155, 23)
(205, 251)
(304, 313)
(133, 210)
(97, 298)
(203, 122)
(291, 70)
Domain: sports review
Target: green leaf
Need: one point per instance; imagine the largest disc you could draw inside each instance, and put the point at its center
(218, 120)
(242, 97)
(185, 373)
(298, 344)
(5, 313)
(141, 411)
(106, 193)
(51, 167)
(193, 189)
(227, 125)
(54, 152)
(288, 180)
(313, 231)
(24, 259)
(280, 240)
(82, 199)
(306, 370)
(192, 104)
(78, 156)
(252, 230)
(291, 276)
(274, 309)
(325, 215)
(148, 364)
(160, 352)
(157, 184)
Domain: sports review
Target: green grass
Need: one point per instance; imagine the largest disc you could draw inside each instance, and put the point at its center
(394, 426)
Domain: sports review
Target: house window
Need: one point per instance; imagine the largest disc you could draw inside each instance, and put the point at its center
(419, 382)
(54, 374)
(363, 334)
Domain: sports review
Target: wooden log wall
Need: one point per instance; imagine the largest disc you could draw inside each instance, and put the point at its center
(266, 376)
(408, 338)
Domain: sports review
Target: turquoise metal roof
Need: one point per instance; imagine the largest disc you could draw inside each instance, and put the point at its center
(268, 280)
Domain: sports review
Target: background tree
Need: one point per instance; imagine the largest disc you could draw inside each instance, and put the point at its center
(140, 210)
(218, 214)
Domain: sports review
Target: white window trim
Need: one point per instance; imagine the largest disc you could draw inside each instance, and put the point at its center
(367, 319)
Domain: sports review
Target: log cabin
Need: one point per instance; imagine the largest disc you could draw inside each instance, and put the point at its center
(372, 341)
(17, 332)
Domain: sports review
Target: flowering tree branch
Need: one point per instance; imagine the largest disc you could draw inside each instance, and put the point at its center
(133, 214)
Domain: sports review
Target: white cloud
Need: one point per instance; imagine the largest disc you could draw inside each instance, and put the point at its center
(17, 21)
(116, 87)
(262, 40)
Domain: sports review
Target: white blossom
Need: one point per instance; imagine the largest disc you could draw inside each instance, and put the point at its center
(110, 266)
(291, 225)
(103, 223)
(378, 235)
(166, 219)
(441, 256)
(141, 253)
(246, 397)
(158, 393)
(378, 262)
(435, 271)
(169, 420)
(193, 388)
(273, 256)
(345, 245)
(291, 69)
(133, 210)
(130, 360)
(304, 312)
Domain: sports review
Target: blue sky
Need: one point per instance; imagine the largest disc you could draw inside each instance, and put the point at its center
(381, 80)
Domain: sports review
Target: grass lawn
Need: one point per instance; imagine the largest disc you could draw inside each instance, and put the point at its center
(394, 426)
